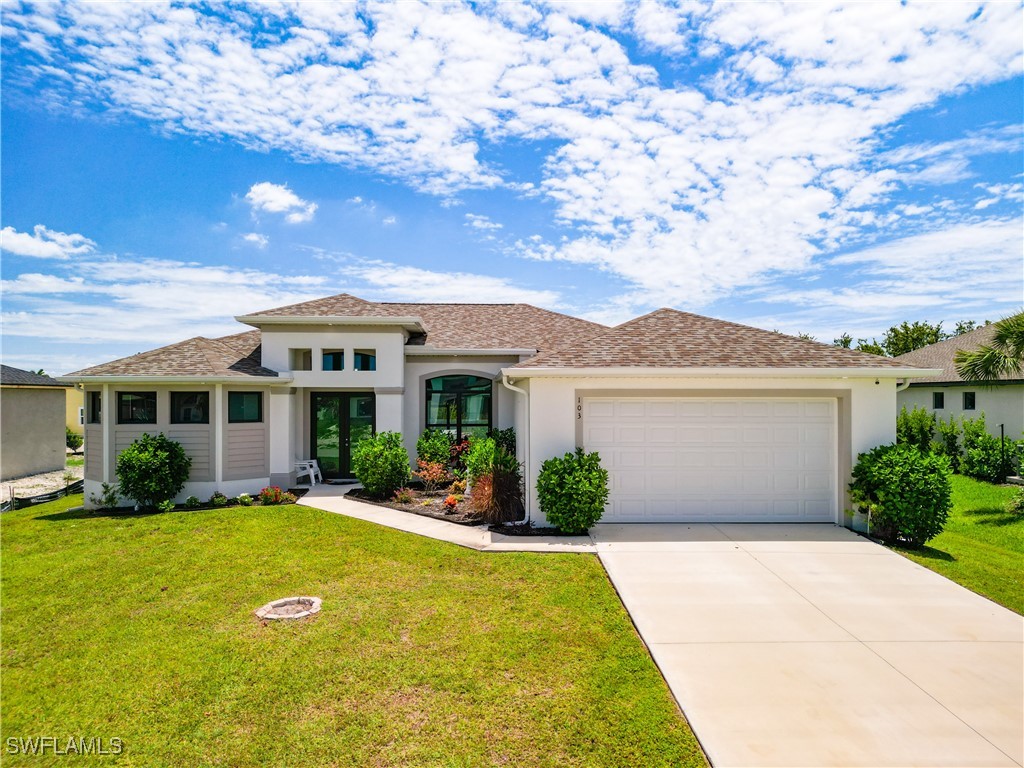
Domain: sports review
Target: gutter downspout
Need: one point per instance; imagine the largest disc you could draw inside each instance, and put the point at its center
(903, 386)
(526, 443)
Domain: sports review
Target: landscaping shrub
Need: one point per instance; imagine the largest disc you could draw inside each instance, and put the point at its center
(948, 444)
(244, 500)
(271, 495)
(480, 457)
(905, 491)
(107, 499)
(73, 440)
(504, 439)
(193, 502)
(433, 474)
(152, 469)
(434, 447)
(981, 458)
(1015, 505)
(498, 495)
(218, 499)
(457, 455)
(165, 506)
(915, 428)
(451, 501)
(457, 486)
(403, 496)
(573, 490)
(381, 464)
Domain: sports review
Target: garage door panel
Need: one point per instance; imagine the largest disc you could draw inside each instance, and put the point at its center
(715, 459)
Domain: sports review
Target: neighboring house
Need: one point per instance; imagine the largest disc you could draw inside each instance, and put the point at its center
(695, 418)
(947, 395)
(74, 407)
(32, 436)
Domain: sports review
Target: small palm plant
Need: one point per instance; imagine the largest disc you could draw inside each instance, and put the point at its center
(1003, 357)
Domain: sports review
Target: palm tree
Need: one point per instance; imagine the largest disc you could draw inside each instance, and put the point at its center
(1003, 357)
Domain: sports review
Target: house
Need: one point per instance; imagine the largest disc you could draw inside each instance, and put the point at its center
(32, 437)
(947, 395)
(695, 418)
(74, 410)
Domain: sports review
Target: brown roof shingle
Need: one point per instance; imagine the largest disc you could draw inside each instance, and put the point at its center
(459, 326)
(231, 356)
(942, 354)
(668, 338)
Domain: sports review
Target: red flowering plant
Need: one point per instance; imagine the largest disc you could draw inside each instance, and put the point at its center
(451, 502)
(433, 474)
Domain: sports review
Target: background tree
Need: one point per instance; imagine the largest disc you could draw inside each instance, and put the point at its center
(1004, 356)
(871, 347)
(843, 341)
(906, 337)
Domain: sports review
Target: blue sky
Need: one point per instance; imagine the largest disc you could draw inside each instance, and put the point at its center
(795, 166)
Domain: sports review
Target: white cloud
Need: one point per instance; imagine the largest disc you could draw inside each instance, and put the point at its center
(764, 162)
(44, 243)
(389, 221)
(955, 273)
(481, 222)
(255, 238)
(277, 198)
(394, 282)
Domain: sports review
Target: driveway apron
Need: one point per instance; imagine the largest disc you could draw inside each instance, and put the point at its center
(808, 645)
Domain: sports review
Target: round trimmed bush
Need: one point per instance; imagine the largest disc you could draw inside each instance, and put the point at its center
(906, 491)
(152, 470)
(434, 447)
(381, 464)
(573, 490)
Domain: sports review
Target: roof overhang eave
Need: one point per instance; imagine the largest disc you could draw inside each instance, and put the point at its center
(242, 381)
(409, 323)
(772, 373)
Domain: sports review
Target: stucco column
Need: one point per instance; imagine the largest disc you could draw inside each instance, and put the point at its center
(107, 417)
(389, 408)
(281, 435)
(219, 419)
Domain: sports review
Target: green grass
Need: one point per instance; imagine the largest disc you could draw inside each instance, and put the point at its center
(141, 627)
(75, 461)
(982, 546)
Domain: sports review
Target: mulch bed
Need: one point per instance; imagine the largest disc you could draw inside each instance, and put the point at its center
(425, 505)
(528, 529)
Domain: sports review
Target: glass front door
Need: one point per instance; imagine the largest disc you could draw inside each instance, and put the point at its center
(339, 420)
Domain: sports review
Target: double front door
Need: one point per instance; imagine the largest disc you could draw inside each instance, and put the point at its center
(339, 420)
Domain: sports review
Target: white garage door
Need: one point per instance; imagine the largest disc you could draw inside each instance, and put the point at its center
(715, 459)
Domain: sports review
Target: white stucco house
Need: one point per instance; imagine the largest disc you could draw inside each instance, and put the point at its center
(947, 395)
(696, 419)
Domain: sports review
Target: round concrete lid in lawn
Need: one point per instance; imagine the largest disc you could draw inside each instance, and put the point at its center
(290, 608)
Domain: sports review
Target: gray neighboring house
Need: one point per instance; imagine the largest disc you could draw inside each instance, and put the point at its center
(32, 436)
(948, 395)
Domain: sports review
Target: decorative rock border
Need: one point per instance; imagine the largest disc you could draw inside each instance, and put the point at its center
(289, 608)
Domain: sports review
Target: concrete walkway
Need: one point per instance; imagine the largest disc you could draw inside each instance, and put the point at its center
(807, 645)
(332, 499)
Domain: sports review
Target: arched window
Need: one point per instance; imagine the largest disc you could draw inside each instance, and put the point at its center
(460, 405)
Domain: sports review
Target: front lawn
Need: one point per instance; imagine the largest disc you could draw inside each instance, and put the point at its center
(142, 628)
(982, 546)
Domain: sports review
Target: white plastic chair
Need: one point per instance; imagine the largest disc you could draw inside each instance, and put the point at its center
(310, 468)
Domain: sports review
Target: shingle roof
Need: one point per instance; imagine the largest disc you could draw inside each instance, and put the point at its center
(459, 326)
(231, 356)
(15, 377)
(941, 355)
(668, 338)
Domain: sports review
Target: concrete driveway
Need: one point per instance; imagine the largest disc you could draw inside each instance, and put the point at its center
(808, 645)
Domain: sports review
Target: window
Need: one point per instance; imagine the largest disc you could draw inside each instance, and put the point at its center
(136, 407)
(938, 400)
(333, 360)
(968, 401)
(365, 359)
(301, 359)
(245, 407)
(460, 405)
(81, 416)
(94, 404)
(190, 407)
